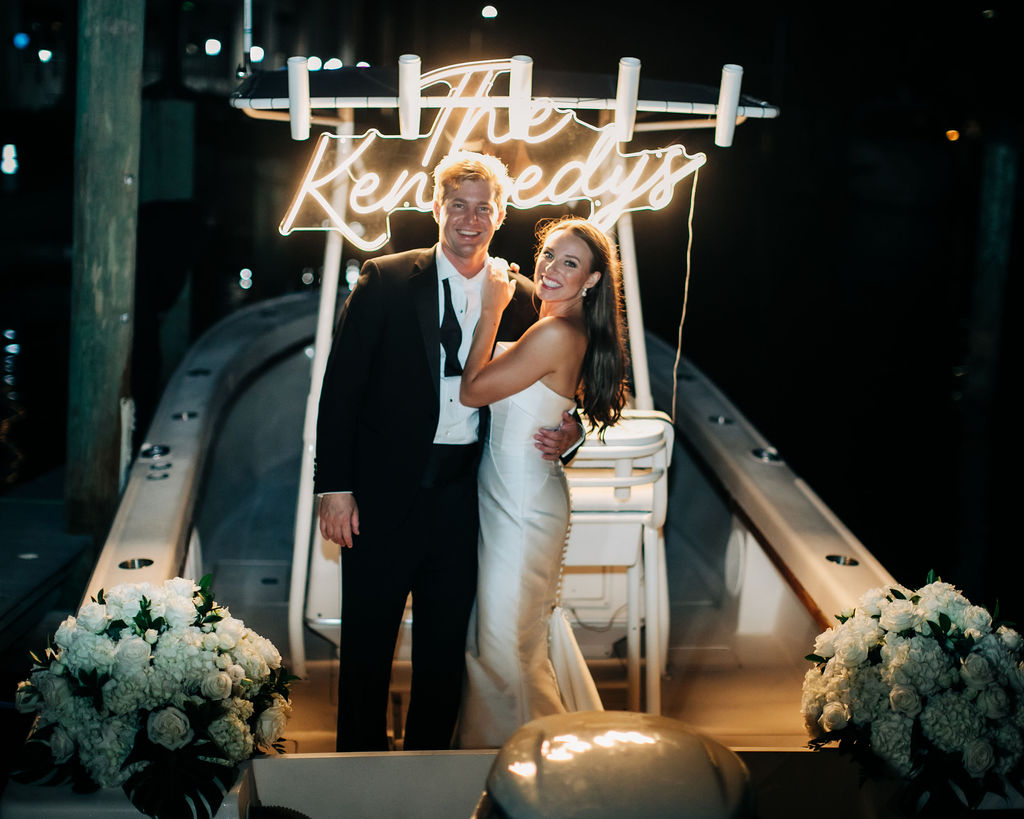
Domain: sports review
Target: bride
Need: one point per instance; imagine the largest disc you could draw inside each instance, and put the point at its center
(576, 348)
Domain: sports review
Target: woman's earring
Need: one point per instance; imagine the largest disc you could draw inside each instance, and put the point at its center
(583, 295)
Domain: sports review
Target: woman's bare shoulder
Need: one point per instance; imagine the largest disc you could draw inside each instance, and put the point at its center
(558, 329)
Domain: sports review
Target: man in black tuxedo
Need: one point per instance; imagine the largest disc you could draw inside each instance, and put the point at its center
(397, 454)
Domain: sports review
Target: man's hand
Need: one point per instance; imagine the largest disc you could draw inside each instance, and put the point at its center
(553, 442)
(339, 518)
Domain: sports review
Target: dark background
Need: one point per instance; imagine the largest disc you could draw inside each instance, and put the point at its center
(837, 250)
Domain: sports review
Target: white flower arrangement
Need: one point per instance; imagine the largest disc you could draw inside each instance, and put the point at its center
(158, 690)
(927, 683)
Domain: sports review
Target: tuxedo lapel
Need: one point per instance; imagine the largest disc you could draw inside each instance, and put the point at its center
(424, 283)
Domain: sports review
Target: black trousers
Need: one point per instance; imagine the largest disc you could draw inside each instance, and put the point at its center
(432, 554)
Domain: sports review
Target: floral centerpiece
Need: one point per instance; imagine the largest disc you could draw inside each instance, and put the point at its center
(158, 690)
(926, 686)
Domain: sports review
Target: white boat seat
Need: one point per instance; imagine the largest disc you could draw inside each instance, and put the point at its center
(594, 490)
(619, 488)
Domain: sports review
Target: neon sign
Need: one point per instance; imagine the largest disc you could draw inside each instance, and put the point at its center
(353, 183)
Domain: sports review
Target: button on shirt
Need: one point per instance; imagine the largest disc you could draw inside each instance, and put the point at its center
(457, 424)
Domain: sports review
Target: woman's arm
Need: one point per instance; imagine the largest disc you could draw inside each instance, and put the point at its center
(484, 380)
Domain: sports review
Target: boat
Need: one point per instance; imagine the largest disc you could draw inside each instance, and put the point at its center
(746, 563)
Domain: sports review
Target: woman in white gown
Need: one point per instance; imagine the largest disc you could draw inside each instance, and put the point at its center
(522, 660)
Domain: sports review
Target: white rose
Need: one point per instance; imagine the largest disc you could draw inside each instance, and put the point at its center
(977, 617)
(824, 643)
(834, 716)
(132, 653)
(236, 672)
(229, 632)
(54, 690)
(975, 671)
(872, 602)
(66, 632)
(216, 685)
(266, 649)
(210, 641)
(151, 636)
(1011, 639)
(993, 702)
(93, 617)
(851, 652)
(123, 600)
(904, 700)
(270, 724)
(181, 587)
(62, 746)
(179, 612)
(941, 598)
(900, 615)
(978, 757)
(169, 727)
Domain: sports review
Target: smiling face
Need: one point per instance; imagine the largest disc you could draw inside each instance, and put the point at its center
(467, 219)
(564, 267)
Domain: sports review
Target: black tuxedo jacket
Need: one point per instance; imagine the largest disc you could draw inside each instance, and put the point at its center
(379, 401)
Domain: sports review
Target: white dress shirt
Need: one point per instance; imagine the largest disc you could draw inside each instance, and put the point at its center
(457, 423)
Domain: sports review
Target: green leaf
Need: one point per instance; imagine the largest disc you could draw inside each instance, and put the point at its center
(898, 594)
(100, 598)
(177, 783)
(814, 658)
(114, 629)
(279, 681)
(35, 765)
(963, 646)
(931, 577)
(945, 624)
(90, 684)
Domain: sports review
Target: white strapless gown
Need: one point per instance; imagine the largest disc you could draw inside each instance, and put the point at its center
(522, 660)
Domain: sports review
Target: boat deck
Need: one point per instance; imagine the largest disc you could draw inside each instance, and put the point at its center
(744, 693)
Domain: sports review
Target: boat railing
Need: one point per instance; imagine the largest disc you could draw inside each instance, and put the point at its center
(153, 536)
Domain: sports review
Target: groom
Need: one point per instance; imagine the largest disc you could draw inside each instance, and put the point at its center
(396, 459)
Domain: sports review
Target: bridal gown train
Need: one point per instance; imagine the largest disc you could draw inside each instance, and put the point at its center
(522, 659)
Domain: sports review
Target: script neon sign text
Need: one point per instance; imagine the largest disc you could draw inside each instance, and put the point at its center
(352, 184)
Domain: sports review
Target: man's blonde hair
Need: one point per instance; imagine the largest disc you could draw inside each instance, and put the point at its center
(460, 166)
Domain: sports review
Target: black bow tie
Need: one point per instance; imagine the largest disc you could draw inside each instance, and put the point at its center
(451, 334)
